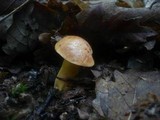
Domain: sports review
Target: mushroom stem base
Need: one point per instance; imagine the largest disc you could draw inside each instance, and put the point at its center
(67, 71)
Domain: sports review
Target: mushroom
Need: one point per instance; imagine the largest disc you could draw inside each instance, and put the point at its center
(76, 52)
(44, 38)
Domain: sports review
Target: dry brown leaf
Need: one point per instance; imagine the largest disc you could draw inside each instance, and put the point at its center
(81, 4)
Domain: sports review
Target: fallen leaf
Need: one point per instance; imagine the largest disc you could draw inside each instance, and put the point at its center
(134, 3)
(115, 98)
(9, 5)
(150, 45)
(117, 28)
(81, 4)
(4, 26)
(21, 37)
(29, 22)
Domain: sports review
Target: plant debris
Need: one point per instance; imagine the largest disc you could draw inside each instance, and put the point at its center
(122, 85)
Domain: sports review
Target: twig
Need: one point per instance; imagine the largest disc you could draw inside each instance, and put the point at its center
(50, 97)
(134, 99)
(15, 10)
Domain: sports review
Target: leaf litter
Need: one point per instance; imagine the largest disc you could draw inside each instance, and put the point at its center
(123, 84)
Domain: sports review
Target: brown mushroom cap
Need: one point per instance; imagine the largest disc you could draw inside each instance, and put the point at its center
(44, 38)
(76, 50)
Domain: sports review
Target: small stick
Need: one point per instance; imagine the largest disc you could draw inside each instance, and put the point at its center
(134, 100)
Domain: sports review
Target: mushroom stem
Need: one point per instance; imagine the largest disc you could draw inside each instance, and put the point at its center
(67, 71)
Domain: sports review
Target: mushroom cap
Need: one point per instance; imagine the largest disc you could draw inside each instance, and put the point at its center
(76, 50)
(44, 38)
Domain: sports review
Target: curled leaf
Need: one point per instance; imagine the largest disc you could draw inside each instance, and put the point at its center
(81, 4)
